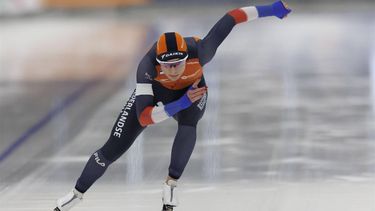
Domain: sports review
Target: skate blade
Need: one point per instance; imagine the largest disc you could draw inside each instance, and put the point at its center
(56, 209)
(167, 208)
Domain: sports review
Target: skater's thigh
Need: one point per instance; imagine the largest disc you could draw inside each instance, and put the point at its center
(124, 132)
(193, 114)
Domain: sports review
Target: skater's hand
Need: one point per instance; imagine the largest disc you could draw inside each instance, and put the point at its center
(195, 93)
(281, 9)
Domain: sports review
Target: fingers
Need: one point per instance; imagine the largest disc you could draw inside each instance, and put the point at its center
(196, 98)
(282, 9)
(285, 5)
(198, 89)
(196, 94)
(287, 8)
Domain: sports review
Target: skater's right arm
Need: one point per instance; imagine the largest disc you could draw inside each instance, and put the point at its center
(149, 114)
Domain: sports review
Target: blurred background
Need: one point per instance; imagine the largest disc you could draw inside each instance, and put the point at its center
(289, 124)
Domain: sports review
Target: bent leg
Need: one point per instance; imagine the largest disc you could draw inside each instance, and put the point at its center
(182, 149)
(186, 136)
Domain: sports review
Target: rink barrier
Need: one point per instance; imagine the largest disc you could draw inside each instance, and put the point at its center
(69, 100)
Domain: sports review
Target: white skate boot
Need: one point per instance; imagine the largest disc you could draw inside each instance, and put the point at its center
(70, 200)
(170, 195)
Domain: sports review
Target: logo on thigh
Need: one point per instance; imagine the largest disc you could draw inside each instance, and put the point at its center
(120, 124)
(202, 102)
(97, 159)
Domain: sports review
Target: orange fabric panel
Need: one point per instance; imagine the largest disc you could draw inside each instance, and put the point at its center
(145, 117)
(238, 15)
(181, 44)
(193, 71)
(161, 46)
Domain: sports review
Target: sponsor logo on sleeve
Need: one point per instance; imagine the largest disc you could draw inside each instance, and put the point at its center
(148, 77)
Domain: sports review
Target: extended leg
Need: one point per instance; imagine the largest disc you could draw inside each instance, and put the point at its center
(124, 133)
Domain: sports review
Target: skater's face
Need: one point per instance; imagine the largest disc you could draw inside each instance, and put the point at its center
(173, 69)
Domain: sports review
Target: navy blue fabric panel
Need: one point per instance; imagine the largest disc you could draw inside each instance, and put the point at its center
(182, 149)
(146, 68)
(170, 38)
(192, 47)
(94, 169)
(208, 45)
(145, 74)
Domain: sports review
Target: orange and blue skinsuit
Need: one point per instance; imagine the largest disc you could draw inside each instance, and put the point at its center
(155, 93)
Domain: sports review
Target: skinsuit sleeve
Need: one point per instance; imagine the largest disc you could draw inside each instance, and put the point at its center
(208, 45)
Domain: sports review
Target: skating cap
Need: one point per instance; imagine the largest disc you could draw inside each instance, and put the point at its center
(171, 45)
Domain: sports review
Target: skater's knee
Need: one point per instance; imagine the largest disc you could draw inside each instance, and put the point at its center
(112, 150)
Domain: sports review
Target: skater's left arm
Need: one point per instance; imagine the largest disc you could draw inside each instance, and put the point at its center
(208, 45)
